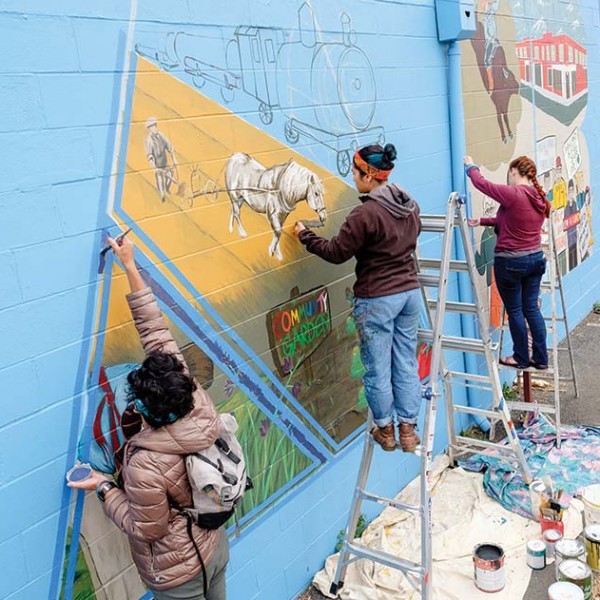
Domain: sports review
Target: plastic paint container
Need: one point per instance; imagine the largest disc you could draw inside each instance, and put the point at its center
(79, 472)
(565, 549)
(563, 590)
(488, 561)
(577, 572)
(590, 496)
(536, 554)
(592, 546)
(551, 536)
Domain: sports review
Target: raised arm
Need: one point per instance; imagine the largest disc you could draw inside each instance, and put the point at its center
(503, 194)
(149, 321)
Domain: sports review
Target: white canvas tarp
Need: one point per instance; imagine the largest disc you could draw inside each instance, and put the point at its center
(462, 516)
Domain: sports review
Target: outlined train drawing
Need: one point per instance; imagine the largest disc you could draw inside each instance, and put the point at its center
(322, 84)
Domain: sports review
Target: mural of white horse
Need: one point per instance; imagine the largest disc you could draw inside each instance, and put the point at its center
(272, 191)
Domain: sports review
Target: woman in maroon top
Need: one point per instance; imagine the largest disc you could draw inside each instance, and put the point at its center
(519, 262)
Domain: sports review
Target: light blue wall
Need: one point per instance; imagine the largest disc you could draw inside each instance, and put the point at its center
(60, 83)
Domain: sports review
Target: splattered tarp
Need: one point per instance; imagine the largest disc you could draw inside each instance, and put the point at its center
(575, 465)
(462, 517)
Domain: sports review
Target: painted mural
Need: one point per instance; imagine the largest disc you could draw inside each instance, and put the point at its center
(529, 97)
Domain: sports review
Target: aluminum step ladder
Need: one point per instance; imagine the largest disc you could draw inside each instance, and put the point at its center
(552, 285)
(418, 574)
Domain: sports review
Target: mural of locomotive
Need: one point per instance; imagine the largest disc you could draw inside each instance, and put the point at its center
(324, 88)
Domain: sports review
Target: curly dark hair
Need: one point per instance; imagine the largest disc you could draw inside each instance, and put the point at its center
(161, 385)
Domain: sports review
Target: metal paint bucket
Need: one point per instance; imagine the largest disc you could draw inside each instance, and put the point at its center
(551, 536)
(592, 546)
(536, 554)
(563, 590)
(565, 549)
(488, 561)
(577, 572)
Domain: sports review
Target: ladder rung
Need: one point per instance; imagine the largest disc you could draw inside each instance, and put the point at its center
(465, 441)
(390, 502)
(469, 377)
(428, 280)
(433, 223)
(461, 344)
(547, 375)
(457, 307)
(561, 319)
(548, 371)
(385, 558)
(481, 412)
(532, 407)
(436, 264)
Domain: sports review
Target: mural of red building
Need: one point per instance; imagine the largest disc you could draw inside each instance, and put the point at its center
(555, 66)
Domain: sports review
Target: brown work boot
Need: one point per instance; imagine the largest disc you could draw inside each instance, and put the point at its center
(385, 437)
(409, 440)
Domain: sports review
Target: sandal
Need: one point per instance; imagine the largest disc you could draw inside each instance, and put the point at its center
(538, 366)
(509, 361)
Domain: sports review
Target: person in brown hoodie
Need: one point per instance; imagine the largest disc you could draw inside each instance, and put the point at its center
(177, 418)
(381, 233)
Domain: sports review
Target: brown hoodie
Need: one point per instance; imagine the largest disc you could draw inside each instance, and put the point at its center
(382, 234)
(154, 474)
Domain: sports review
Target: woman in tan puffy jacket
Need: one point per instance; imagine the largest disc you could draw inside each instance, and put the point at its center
(177, 418)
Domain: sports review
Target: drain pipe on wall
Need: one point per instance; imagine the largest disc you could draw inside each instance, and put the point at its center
(456, 21)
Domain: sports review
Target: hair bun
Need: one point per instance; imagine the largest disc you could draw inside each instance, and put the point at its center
(389, 152)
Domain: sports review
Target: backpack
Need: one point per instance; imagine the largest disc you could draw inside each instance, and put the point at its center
(218, 477)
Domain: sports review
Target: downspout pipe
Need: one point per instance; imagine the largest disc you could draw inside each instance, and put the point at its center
(457, 151)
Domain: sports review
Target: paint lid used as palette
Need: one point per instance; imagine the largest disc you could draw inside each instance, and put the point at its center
(564, 590)
(79, 472)
(592, 532)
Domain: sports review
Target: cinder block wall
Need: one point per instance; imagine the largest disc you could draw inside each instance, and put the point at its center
(71, 76)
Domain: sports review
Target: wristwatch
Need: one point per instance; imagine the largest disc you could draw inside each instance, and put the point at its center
(104, 488)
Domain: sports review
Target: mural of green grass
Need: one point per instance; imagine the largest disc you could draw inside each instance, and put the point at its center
(272, 459)
(83, 588)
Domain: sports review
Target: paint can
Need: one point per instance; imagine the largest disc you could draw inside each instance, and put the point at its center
(488, 561)
(536, 554)
(592, 546)
(565, 549)
(551, 536)
(590, 497)
(577, 572)
(563, 590)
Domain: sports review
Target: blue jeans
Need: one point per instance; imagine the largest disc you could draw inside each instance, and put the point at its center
(518, 281)
(387, 329)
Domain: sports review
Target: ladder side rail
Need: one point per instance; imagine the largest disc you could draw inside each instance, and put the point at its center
(361, 482)
(554, 268)
(559, 281)
(498, 398)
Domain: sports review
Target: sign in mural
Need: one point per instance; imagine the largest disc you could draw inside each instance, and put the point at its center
(297, 328)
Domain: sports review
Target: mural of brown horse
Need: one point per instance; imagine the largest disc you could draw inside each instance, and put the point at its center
(505, 83)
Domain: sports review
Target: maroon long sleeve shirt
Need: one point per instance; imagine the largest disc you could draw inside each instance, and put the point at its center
(520, 216)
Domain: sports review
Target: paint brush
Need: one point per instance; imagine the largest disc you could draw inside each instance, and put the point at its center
(313, 223)
(118, 239)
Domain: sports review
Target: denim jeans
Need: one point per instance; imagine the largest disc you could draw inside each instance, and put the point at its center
(387, 329)
(518, 280)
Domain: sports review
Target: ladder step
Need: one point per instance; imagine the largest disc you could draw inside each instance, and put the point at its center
(467, 442)
(418, 510)
(469, 377)
(532, 407)
(456, 343)
(385, 558)
(436, 264)
(435, 223)
(560, 319)
(548, 371)
(456, 307)
(481, 412)
(428, 280)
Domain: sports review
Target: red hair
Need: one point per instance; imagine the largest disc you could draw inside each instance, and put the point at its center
(526, 168)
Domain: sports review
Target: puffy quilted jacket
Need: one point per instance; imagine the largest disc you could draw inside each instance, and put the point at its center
(154, 475)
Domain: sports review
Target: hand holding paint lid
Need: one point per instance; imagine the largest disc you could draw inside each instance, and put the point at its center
(79, 472)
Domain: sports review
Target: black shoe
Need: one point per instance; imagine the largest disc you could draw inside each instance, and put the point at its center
(538, 366)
